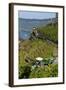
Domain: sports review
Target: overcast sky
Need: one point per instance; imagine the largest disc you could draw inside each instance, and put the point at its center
(36, 15)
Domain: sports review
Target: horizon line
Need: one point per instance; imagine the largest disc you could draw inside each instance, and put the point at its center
(38, 18)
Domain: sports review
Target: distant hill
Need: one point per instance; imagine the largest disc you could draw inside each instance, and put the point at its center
(53, 19)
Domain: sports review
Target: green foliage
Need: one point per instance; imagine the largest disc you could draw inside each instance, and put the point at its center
(35, 49)
(46, 71)
(50, 70)
(39, 48)
(50, 32)
(24, 71)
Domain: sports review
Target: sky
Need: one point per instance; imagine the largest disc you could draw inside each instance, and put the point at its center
(36, 15)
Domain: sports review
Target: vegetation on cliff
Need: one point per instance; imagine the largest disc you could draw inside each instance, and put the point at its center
(43, 45)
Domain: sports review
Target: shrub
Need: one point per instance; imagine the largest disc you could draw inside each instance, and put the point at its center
(24, 71)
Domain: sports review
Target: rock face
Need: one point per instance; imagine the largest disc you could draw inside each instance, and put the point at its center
(36, 34)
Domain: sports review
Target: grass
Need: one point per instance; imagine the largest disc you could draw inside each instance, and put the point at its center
(50, 32)
(39, 48)
(35, 49)
(50, 70)
(46, 71)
